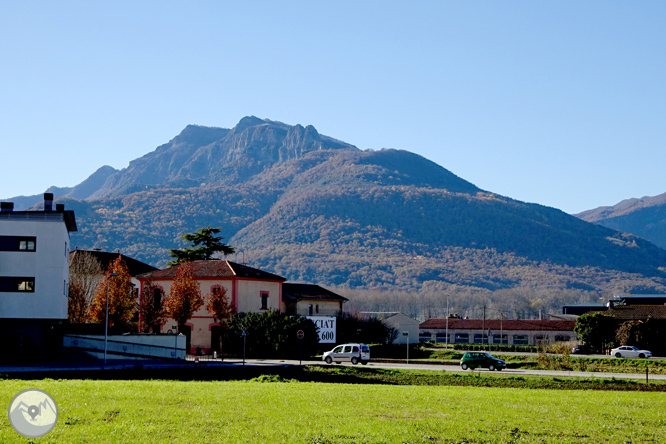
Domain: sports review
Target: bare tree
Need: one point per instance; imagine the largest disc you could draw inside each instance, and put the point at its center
(85, 275)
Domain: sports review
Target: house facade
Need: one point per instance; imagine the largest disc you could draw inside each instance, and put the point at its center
(34, 277)
(497, 331)
(248, 290)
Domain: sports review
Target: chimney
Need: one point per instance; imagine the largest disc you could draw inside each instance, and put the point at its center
(6, 207)
(60, 207)
(48, 201)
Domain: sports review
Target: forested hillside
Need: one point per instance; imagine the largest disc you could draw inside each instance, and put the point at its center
(315, 209)
(645, 217)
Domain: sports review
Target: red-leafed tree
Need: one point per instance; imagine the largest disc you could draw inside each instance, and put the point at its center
(185, 296)
(219, 306)
(122, 298)
(151, 308)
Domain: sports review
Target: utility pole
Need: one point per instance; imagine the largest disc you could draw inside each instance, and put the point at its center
(483, 327)
(448, 314)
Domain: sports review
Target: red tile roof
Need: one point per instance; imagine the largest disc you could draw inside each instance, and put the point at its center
(497, 324)
(299, 292)
(213, 269)
(637, 312)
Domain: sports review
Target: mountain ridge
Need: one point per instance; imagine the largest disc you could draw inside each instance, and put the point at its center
(644, 217)
(319, 210)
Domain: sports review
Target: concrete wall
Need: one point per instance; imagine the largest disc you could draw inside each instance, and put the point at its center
(48, 264)
(129, 346)
(326, 308)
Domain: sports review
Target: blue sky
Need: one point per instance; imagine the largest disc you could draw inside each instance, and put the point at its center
(559, 103)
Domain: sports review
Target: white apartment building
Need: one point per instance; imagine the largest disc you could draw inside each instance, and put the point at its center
(34, 277)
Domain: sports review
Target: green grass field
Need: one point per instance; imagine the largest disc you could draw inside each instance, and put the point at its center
(309, 412)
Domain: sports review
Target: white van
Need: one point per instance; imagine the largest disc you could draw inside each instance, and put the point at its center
(353, 353)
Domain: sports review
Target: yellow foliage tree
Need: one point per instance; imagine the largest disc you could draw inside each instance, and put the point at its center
(122, 297)
(185, 296)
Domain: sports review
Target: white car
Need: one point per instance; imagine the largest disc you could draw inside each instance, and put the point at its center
(353, 353)
(629, 351)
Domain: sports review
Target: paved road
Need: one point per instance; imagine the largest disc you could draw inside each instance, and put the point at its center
(456, 368)
(147, 365)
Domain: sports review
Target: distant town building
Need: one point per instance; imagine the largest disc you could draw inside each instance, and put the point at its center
(403, 328)
(497, 331)
(34, 277)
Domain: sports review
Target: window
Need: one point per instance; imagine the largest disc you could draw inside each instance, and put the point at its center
(440, 337)
(317, 308)
(18, 243)
(461, 338)
(562, 338)
(520, 340)
(480, 339)
(310, 310)
(500, 339)
(157, 297)
(17, 284)
(264, 300)
(425, 336)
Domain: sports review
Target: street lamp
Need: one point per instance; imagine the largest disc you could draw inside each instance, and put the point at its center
(106, 317)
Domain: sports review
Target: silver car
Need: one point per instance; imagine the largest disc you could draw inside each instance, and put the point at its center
(629, 351)
(353, 353)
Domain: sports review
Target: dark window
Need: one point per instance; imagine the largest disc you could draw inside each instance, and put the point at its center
(17, 243)
(520, 340)
(500, 339)
(310, 310)
(461, 338)
(440, 337)
(264, 300)
(17, 284)
(157, 297)
(480, 339)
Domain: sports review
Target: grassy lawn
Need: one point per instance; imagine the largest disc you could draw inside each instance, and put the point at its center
(311, 412)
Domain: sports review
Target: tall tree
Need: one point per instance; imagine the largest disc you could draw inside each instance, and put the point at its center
(151, 308)
(219, 306)
(204, 245)
(185, 296)
(596, 331)
(122, 297)
(85, 275)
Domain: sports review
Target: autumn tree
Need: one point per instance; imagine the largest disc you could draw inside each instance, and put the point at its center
(151, 308)
(204, 245)
(122, 297)
(219, 306)
(85, 275)
(185, 296)
(596, 331)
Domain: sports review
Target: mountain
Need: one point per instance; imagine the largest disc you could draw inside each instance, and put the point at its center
(202, 156)
(644, 217)
(315, 209)
(81, 191)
